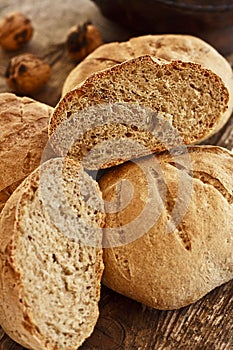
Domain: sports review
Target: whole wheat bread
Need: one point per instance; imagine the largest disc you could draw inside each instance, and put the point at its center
(141, 106)
(50, 276)
(168, 269)
(170, 47)
(23, 138)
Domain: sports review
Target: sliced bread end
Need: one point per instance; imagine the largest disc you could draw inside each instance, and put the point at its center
(50, 281)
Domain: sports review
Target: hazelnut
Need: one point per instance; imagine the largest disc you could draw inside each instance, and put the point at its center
(27, 73)
(82, 40)
(15, 31)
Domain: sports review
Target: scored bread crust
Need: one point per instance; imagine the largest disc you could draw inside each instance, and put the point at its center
(169, 270)
(182, 93)
(182, 47)
(24, 135)
(17, 311)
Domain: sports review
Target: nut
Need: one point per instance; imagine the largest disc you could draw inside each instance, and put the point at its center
(26, 73)
(82, 40)
(15, 31)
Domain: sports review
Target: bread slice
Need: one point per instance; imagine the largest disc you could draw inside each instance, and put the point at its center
(49, 271)
(172, 242)
(170, 47)
(141, 106)
(23, 138)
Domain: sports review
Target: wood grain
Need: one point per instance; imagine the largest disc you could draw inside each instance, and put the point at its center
(199, 326)
(123, 323)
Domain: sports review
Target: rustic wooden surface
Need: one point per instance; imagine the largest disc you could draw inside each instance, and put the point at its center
(123, 324)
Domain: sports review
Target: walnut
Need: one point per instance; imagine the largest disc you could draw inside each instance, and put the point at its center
(82, 40)
(26, 73)
(15, 31)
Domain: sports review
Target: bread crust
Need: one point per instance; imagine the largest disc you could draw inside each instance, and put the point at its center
(12, 312)
(186, 48)
(171, 270)
(16, 317)
(24, 135)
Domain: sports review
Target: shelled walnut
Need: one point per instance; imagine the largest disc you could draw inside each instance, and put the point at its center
(27, 74)
(15, 31)
(82, 40)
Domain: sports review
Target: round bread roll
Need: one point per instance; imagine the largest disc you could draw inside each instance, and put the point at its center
(171, 241)
(24, 135)
(49, 275)
(167, 46)
(135, 108)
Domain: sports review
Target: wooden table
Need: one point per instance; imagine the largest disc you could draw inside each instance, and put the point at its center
(123, 323)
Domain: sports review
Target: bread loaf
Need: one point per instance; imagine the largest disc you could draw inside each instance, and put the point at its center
(49, 274)
(24, 135)
(167, 46)
(152, 261)
(141, 106)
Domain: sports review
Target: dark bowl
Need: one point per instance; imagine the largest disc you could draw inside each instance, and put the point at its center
(210, 20)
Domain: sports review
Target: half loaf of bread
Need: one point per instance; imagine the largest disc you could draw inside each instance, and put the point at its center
(141, 106)
(171, 241)
(170, 47)
(23, 138)
(49, 273)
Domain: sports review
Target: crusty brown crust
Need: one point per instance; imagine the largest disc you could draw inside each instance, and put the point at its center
(13, 316)
(24, 135)
(72, 101)
(16, 318)
(171, 270)
(167, 46)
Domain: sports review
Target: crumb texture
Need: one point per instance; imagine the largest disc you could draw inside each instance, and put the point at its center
(56, 277)
(155, 104)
